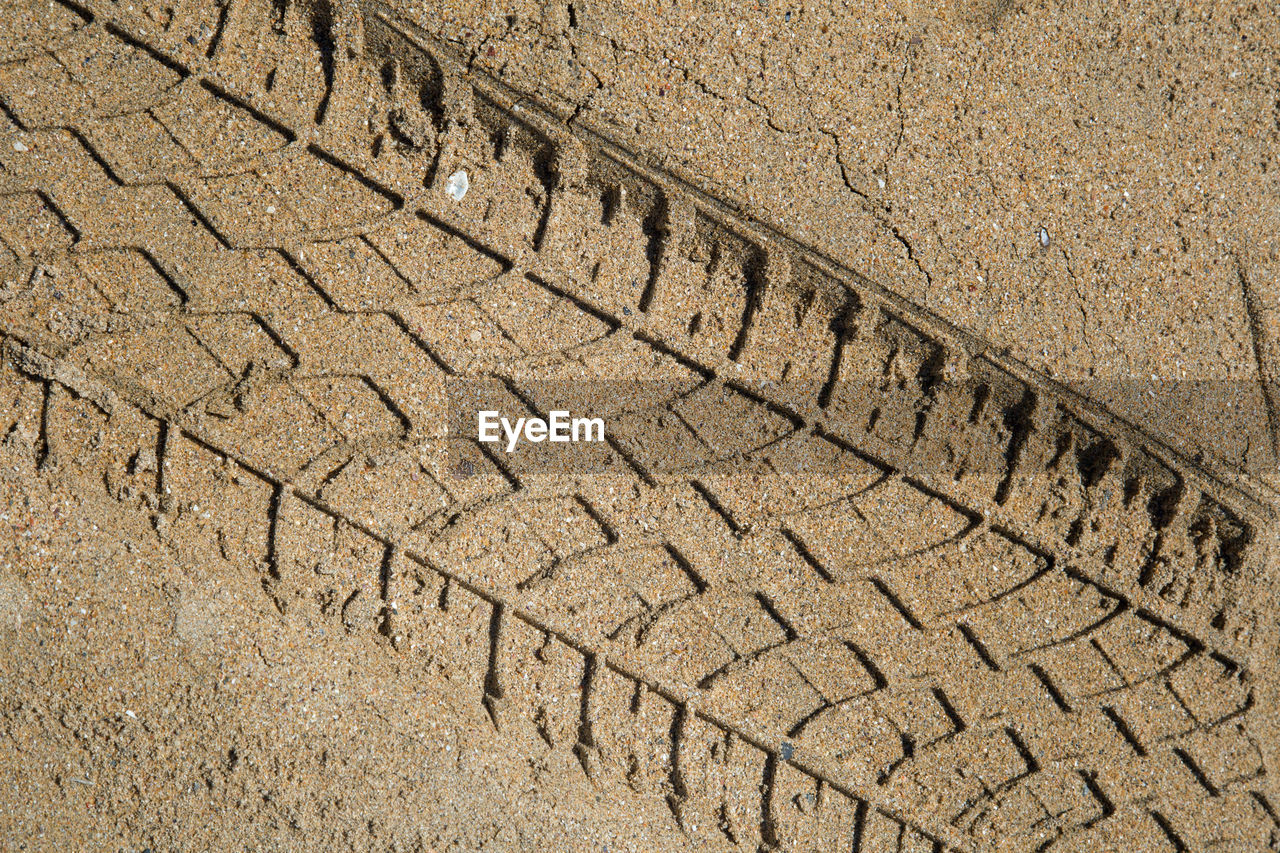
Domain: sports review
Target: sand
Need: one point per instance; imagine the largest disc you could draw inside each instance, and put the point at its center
(938, 353)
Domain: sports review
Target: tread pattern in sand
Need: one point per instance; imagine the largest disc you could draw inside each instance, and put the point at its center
(235, 293)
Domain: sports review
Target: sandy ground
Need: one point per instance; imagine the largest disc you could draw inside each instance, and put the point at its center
(1140, 138)
(250, 600)
(155, 699)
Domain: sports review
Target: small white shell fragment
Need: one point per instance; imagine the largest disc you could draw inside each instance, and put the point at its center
(476, 336)
(1044, 238)
(19, 147)
(457, 185)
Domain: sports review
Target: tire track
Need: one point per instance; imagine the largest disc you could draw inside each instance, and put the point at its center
(756, 288)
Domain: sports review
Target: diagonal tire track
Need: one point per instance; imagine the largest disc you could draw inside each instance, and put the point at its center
(539, 259)
(686, 700)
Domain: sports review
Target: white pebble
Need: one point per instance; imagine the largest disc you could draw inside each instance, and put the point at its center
(476, 336)
(457, 185)
(1044, 238)
(18, 146)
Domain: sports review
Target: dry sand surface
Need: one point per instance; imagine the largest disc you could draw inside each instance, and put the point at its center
(938, 352)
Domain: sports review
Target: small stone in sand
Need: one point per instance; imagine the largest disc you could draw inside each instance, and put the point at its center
(457, 185)
(1044, 238)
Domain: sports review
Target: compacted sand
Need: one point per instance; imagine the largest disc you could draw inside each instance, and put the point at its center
(938, 353)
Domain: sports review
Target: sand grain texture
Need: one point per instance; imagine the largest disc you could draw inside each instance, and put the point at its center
(881, 554)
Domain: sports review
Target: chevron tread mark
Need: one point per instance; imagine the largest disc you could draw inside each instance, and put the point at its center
(237, 300)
